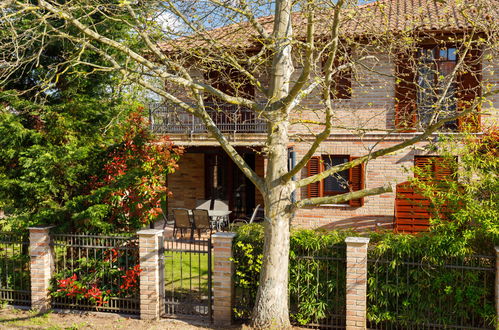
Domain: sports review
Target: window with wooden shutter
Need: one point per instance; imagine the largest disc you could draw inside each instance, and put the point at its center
(469, 89)
(314, 167)
(338, 183)
(357, 182)
(434, 168)
(405, 94)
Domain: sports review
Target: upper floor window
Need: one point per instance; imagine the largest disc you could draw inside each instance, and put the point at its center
(430, 75)
(435, 67)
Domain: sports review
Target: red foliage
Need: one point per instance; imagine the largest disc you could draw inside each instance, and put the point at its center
(130, 279)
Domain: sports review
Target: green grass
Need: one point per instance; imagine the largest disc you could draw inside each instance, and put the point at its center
(186, 271)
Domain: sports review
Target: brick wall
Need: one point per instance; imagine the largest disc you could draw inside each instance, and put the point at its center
(371, 107)
(187, 184)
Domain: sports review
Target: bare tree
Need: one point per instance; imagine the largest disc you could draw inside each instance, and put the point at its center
(269, 57)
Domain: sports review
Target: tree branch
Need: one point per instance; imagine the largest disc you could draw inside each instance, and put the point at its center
(343, 197)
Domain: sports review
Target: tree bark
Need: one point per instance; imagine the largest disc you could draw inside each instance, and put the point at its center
(271, 309)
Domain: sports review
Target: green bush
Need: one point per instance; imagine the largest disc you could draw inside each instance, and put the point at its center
(408, 280)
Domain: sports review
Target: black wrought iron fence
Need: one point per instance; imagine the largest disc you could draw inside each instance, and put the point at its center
(96, 272)
(15, 287)
(188, 276)
(170, 118)
(317, 289)
(415, 293)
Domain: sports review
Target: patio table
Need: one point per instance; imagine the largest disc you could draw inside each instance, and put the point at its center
(218, 217)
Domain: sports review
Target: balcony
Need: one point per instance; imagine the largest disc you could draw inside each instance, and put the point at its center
(170, 118)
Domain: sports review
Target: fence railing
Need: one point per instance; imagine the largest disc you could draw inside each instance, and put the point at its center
(413, 293)
(170, 118)
(96, 272)
(317, 289)
(15, 280)
(188, 273)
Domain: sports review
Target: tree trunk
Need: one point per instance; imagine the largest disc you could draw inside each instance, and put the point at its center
(271, 309)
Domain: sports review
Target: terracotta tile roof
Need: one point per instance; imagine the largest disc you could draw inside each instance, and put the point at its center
(373, 18)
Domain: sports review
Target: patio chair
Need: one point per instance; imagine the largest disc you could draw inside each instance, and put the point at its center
(203, 204)
(239, 222)
(201, 221)
(181, 221)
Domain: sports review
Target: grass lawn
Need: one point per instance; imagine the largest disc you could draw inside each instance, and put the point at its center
(186, 271)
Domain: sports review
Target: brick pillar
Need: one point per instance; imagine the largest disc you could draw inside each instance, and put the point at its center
(497, 287)
(222, 278)
(152, 275)
(356, 282)
(41, 264)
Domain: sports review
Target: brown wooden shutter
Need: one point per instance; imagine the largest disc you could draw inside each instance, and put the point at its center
(356, 178)
(405, 94)
(314, 167)
(469, 88)
(444, 169)
(425, 164)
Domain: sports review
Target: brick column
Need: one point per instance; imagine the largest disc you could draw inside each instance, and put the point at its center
(356, 282)
(152, 275)
(222, 278)
(41, 266)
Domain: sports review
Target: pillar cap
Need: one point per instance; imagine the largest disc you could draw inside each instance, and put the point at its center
(358, 240)
(150, 232)
(41, 227)
(224, 235)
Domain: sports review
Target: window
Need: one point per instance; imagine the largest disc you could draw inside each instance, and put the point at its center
(436, 168)
(341, 88)
(421, 78)
(338, 183)
(435, 66)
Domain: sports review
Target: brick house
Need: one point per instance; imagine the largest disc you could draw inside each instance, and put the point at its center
(376, 107)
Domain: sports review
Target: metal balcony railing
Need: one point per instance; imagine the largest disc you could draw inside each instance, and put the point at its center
(170, 118)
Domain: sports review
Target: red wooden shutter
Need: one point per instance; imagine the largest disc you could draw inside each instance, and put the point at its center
(444, 169)
(405, 94)
(314, 167)
(356, 179)
(425, 166)
(469, 88)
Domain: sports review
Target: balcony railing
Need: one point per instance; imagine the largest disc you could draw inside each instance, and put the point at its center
(170, 118)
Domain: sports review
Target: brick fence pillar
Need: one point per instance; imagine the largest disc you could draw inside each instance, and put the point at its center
(356, 282)
(222, 278)
(497, 287)
(41, 266)
(152, 275)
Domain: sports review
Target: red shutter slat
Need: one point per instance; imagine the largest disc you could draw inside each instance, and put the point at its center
(314, 167)
(356, 179)
(469, 88)
(405, 94)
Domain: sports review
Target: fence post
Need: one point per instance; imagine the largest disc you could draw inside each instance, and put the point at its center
(41, 265)
(152, 274)
(223, 289)
(356, 286)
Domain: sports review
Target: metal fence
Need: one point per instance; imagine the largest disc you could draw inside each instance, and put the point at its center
(188, 277)
(15, 282)
(317, 289)
(89, 266)
(170, 118)
(413, 293)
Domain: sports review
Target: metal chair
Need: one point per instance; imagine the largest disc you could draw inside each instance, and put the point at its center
(239, 222)
(201, 221)
(181, 220)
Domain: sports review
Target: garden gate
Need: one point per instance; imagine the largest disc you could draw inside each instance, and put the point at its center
(188, 277)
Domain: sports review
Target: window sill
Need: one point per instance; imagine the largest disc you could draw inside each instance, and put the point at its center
(345, 206)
